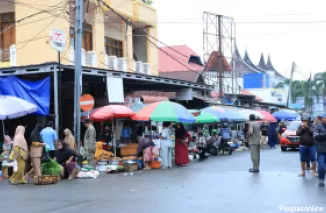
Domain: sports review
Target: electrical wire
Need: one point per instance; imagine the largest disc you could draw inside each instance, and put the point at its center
(165, 52)
(43, 29)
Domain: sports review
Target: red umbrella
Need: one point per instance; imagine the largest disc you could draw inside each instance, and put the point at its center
(111, 112)
(267, 116)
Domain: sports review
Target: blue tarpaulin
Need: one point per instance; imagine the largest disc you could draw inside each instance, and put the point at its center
(35, 92)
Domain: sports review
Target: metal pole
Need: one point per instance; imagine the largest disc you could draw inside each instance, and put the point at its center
(127, 44)
(78, 67)
(290, 84)
(220, 56)
(59, 94)
(56, 100)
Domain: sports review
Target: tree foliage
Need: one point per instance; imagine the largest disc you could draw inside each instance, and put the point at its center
(307, 89)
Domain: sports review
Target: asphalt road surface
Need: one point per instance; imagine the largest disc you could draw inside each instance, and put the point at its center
(221, 184)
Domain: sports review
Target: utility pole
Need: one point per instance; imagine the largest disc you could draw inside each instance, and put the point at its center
(220, 57)
(78, 68)
(290, 84)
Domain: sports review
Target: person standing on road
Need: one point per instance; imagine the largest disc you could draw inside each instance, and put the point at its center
(50, 138)
(36, 147)
(166, 146)
(254, 143)
(182, 138)
(307, 148)
(320, 137)
(89, 141)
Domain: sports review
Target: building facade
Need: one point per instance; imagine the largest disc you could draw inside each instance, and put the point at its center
(108, 41)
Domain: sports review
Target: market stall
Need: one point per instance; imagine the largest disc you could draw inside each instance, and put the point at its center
(164, 111)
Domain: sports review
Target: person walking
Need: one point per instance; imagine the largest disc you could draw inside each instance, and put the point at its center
(166, 146)
(320, 139)
(50, 138)
(19, 154)
(317, 121)
(90, 141)
(36, 147)
(272, 135)
(307, 148)
(254, 143)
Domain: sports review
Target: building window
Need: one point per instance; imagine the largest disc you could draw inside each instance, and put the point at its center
(87, 43)
(8, 35)
(113, 47)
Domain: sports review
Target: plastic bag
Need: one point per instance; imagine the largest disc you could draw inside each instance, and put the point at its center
(90, 174)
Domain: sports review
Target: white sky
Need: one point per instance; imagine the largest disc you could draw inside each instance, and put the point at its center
(303, 43)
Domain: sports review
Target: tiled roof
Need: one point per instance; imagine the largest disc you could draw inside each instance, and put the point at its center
(177, 62)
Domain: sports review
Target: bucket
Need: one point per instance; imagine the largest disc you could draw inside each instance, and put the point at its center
(140, 164)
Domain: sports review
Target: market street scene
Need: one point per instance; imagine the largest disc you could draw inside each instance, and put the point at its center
(165, 106)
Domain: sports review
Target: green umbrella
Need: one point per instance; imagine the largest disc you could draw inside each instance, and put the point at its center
(205, 117)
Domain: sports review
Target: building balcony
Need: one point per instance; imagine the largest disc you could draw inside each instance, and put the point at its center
(143, 13)
(89, 58)
(8, 57)
(123, 7)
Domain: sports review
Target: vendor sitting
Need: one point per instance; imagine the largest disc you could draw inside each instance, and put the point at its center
(214, 139)
(6, 146)
(100, 153)
(146, 149)
(66, 158)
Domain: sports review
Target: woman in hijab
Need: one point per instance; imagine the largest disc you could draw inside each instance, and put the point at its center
(182, 138)
(36, 148)
(66, 158)
(20, 154)
(272, 135)
(145, 149)
(69, 139)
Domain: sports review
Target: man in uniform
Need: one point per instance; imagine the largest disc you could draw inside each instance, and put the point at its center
(89, 141)
(254, 143)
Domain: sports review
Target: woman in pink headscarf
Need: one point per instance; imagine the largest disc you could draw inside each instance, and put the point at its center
(20, 154)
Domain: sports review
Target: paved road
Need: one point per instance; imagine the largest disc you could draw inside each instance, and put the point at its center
(221, 184)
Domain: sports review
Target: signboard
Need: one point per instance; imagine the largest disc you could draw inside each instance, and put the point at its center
(115, 90)
(87, 102)
(58, 40)
(184, 94)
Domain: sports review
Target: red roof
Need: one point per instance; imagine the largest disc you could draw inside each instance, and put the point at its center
(245, 92)
(213, 62)
(180, 61)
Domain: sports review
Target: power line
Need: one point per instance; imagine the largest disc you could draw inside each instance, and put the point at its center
(43, 29)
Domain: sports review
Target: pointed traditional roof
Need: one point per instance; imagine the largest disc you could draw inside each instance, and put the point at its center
(271, 67)
(247, 59)
(241, 64)
(269, 64)
(262, 64)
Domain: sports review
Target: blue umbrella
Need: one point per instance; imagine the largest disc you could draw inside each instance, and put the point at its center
(285, 115)
(212, 110)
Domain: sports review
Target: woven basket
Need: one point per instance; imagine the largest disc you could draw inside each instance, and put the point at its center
(45, 180)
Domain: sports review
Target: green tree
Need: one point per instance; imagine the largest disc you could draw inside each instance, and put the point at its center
(320, 84)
